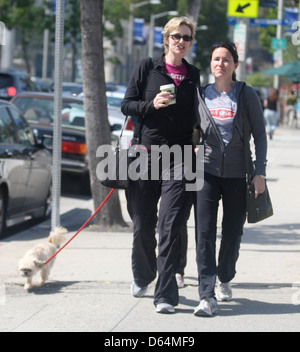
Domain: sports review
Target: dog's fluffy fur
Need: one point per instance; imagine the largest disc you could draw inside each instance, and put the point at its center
(34, 259)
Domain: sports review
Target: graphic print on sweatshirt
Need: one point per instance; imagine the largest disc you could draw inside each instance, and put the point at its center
(222, 107)
(177, 73)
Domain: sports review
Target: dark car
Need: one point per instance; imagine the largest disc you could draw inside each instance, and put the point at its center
(13, 83)
(25, 170)
(38, 109)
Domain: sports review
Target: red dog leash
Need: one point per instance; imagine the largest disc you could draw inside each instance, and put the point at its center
(82, 227)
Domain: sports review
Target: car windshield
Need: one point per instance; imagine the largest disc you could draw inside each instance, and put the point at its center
(72, 90)
(41, 110)
(114, 101)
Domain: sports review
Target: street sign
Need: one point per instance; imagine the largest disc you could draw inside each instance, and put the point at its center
(265, 22)
(279, 44)
(243, 8)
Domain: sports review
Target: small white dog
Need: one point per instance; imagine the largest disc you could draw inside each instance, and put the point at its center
(34, 259)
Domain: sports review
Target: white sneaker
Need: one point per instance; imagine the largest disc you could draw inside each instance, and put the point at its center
(180, 280)
(223, 292)
(165, 308)
(137, 291)
(207, 308)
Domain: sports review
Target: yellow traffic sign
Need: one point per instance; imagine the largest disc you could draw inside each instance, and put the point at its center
(243, 8)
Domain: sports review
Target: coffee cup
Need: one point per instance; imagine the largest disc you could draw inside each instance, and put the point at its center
(171, 89)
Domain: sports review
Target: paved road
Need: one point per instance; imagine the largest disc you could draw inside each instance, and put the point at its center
(89, 284)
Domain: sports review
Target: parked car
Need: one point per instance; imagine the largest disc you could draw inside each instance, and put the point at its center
(71, 88)
(114, 99)
(38, 109)
(13, 83)
(25, 170)
(43, 85)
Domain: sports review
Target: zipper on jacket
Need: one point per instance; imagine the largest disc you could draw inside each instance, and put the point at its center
(218, 134)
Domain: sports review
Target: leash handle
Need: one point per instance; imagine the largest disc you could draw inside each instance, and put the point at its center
(82, 227)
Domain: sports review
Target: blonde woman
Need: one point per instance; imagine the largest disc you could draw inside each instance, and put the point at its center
(162, 124)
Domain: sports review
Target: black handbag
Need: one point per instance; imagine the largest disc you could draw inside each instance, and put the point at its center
(117, 175)
(117, 171)
(259, 208)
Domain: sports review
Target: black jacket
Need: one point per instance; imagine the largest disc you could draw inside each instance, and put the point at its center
(167, 126)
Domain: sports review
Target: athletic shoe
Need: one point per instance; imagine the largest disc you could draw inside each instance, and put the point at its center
(137, 291)
(165, 308)
(223, 292)
(180, 280)
(207, 307)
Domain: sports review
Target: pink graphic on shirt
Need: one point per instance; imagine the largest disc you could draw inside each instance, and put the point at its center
(177, 73)
(222, 114)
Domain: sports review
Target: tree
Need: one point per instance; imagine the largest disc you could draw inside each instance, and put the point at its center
(72, 31)
(96, 115)
(213, 15)
(193, 11)
(27, 18)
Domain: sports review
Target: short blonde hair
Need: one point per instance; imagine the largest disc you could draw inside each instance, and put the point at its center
(174, 24)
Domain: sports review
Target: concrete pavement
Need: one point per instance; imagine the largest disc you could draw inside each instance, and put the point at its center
(89, 286)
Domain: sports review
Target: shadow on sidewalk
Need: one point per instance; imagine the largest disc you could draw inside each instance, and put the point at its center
(52, 287)
(285, 234)
(243, 306)
(247, 306)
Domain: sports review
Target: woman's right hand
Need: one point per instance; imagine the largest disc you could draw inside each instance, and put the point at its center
(162, 100)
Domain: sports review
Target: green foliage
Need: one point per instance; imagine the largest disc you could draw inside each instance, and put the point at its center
(72, 18)
(114, 11)
(213, 14)
(24, 15)
(259, 80)
(266, 34)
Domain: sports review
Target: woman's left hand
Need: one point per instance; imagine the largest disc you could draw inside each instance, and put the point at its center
(259, 184)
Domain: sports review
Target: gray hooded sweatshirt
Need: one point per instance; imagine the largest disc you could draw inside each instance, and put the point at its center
(228, 161)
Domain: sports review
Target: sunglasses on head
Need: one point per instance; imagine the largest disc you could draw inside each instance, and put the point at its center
(178, 37)
(224, 44)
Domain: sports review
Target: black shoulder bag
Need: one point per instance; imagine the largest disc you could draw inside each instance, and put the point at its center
(117, 171)
(259, 208)
(114, 177)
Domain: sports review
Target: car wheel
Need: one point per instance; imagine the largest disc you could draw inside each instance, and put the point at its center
(48, 204)
(2, 212)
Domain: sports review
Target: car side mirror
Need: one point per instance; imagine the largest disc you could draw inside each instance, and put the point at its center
(47, 142)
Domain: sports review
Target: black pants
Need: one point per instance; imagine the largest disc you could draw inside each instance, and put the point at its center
(233, 195)
(184, 233)
(142, 203)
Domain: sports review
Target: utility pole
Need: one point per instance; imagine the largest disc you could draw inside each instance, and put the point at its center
(279, 36)
(240, 39)
(57, 132)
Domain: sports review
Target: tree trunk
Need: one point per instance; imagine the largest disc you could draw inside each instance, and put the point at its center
(25, 53)
(96, 116)
(193, 14)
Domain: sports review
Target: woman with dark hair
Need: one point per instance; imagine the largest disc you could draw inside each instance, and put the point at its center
(221, 109)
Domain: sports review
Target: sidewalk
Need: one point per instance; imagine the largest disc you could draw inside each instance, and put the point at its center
(89, 287)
